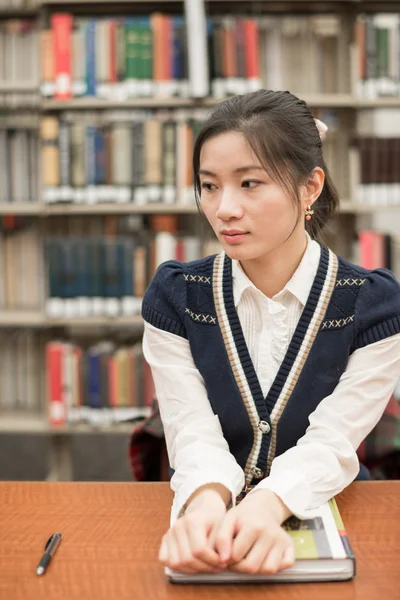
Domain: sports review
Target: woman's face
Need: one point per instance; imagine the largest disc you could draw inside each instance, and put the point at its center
(251, 215)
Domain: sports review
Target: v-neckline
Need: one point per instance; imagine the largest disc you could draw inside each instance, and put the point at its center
(267, 403)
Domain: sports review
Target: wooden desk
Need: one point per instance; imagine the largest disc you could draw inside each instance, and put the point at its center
(111, 534)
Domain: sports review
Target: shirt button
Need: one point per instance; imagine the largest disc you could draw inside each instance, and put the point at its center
(258, 474)
(264, 427)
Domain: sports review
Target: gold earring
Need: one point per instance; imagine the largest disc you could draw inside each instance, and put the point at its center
(308, 212)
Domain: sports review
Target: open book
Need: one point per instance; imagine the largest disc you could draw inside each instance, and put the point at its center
(323, 553)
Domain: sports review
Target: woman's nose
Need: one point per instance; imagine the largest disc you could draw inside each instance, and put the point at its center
(229, 207)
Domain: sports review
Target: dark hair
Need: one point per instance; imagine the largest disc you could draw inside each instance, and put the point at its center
(282, 133)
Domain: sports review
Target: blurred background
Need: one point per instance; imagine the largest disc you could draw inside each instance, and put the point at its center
(100, 103)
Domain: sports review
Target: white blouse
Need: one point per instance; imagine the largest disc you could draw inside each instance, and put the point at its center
(324, 461)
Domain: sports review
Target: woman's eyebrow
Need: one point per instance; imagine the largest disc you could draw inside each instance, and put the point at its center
(238, 170)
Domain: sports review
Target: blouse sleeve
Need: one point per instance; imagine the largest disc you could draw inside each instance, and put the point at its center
(325, 461)
(197, 449)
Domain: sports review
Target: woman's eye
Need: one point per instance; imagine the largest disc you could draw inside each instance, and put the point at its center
(209, 187)
(250, 183)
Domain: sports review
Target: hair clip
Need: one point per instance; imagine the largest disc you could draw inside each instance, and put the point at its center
(322, 128)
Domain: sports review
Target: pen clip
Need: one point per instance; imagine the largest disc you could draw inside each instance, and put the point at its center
(48, 542)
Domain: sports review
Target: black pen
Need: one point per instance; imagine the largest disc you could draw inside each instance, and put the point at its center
(49, 550)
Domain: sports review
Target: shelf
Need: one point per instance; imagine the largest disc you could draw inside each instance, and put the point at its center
(14, 318)
(21, 208)
(354, 207)
(313, 100)
(40, 210)
(93, 103)
(25, 423)
(116, 209)
(18, 87)
(18, 13)
(111, 2)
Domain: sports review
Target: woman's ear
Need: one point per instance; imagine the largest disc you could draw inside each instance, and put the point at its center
(312, 188)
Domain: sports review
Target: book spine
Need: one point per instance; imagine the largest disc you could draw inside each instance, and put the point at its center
(91, 57)
(340, 527)
(55, 399)
(61, 25)
(49, 132)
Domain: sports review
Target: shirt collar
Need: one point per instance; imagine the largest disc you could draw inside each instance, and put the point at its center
(299, 284)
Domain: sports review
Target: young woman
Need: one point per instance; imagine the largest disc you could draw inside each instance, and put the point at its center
(275, 358)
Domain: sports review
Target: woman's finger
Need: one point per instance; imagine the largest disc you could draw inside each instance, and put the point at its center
(244, 542)
(273, 562)
(187, 559)
(200, 545)
(255, 558)
(288, 557)
(174, 560)
(224, 537)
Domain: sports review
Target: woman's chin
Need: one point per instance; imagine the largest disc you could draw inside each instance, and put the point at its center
(239, 252)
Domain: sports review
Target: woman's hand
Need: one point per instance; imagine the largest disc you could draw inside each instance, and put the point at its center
(188, 544)
(250, 538)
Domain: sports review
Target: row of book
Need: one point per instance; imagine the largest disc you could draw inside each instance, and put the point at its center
(140, 157)
(380, 172)
(76, 271)
(120, 57)
(22, 372)
(97, 277)
(114, 58)
(101, 384)
(19, 62)
(299, 53)
(12, 4)
(375, 250)
(127, 157)
(377, 53)
(19, 163)
(377, 171)
(22, 279)
(121, 157)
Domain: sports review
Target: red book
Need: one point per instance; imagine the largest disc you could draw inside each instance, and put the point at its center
(372, 251)
(61, 26)
(77, 354)
(55, 399)
(251, 45)
(180, 251)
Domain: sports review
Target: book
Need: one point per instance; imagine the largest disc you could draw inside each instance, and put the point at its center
(323, 553)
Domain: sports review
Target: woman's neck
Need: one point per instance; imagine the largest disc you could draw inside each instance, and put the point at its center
(271, 272)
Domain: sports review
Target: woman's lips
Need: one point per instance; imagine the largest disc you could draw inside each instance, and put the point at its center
(233, 236)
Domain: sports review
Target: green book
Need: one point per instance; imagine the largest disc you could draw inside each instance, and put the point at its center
(323, 553)
(132, 61)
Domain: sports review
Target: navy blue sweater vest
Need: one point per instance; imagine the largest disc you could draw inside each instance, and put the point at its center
(348, 307)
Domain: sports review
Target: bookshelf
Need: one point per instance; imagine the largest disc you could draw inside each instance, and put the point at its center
(21, 96)
(40, 320)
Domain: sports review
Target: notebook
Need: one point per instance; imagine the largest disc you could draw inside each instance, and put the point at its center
(323, 553)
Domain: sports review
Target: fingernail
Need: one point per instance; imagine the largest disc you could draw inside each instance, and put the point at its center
(290, 554)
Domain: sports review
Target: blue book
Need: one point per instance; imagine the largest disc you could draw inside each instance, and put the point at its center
(114, 260)
(55, 268)
(178, 47)
(94, 378)
(91, 155)
(83, 271)
(69, 288)
(90, 38)
(100, 157)
(128, 248)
